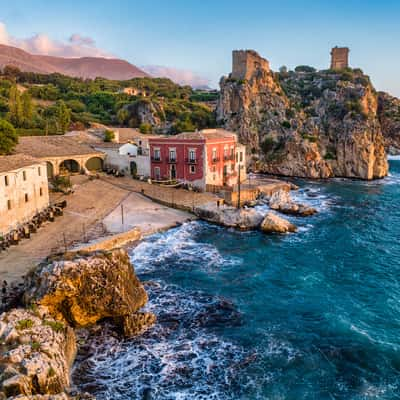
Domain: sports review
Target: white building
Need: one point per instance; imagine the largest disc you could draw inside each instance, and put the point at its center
(23, 190)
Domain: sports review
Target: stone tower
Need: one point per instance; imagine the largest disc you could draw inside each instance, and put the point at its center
(339, 57)
(245, 62)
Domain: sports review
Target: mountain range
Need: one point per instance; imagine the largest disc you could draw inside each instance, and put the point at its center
(84, 67)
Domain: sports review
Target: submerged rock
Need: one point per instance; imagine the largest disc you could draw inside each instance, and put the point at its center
(272, 223)
(88, 288)
(282, 202)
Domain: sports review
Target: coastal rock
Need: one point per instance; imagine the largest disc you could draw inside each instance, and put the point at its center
(389, 117)
(37, 354)
(305, 123)
(88, 288)
(244, 218)
(275, 224)
(282, 202)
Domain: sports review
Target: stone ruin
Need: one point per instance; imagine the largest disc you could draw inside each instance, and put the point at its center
(245, 62)
(340, 57)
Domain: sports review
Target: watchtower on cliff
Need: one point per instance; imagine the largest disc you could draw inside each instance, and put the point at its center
(340, 57)
(245, 62)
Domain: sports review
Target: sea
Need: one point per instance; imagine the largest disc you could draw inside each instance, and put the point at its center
(243, 315)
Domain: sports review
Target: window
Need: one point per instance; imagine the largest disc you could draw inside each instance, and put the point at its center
(192, 169)
(9, 204)
(241, 156)
(41, 192)
(192, 155)
(232, 167)
(6, 182)
(24, 175)
(232, 152)
(226, 153)
(39, 171)
(214, 154)
(157, 154)
(26, 197)
(172, 155)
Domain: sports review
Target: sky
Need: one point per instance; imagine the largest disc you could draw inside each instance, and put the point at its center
(196, 37)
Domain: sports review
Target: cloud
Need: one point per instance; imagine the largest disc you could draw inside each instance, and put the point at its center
(180, 76)
(76, 46)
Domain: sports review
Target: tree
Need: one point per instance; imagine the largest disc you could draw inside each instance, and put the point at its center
(122, 116)
(63, 116)
(8, 137)
(15, 105)
(27, 109)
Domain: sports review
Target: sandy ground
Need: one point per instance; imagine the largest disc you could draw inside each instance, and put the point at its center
(138, 211)
(93, 209)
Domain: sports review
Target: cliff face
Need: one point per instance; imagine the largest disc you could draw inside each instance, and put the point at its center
(389, 117)
(306, 123)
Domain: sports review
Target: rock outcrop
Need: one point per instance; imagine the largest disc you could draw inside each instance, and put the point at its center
(38, 345)
(88, 288)
(306, 123)
(37, 353)
(272, 223)
(282, 202)
(231, 217)
(389, 117)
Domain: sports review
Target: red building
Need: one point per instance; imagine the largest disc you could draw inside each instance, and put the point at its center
(206, 157)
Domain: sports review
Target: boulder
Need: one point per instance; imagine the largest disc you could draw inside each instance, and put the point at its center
(87, 288)
(37, 353)
(282, 202)
(243, 218)
(272, 223)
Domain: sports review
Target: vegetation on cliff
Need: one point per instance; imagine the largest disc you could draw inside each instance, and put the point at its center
(52, 103)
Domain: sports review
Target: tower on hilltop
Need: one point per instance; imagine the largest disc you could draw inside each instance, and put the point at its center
(340, 57)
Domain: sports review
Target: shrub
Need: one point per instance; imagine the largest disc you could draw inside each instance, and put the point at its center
(310, 138)
(55, 325)
(35, 346)
(109, 136)
(285, 124)
(305, 68)
(24, 324)
(145, 127)
(8, 137)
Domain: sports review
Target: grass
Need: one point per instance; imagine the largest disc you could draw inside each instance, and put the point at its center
(55, 325)
(24, 324)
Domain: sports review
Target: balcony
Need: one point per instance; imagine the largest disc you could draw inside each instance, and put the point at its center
(172, 160)
(229, 158)
(191, 161)
(156, 159)
(215, 159)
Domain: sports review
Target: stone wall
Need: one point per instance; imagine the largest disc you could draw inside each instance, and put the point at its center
(24, 195)
(246, 62)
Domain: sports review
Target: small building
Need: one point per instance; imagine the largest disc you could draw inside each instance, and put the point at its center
(206, 159)
(131, 91)
(129, 158)
(23, 190)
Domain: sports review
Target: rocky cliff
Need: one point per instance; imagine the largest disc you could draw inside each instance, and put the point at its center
(38, 345)
(305, 123)
(389, 118)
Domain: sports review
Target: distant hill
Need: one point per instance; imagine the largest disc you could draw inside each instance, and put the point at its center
(85, 67)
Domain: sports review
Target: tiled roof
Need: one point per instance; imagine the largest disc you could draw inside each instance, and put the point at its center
(52, 146)
(16, 161)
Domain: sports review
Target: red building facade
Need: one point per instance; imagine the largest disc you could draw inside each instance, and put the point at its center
(207, 157)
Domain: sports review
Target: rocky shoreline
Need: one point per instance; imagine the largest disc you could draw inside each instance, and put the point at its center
(64, 293)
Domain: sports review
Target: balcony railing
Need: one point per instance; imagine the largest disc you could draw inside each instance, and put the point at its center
(215, 159)
(191, 161)
(156, 159)
(229, 158)
(172, 160)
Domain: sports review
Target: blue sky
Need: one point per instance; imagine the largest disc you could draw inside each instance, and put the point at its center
(200, 35)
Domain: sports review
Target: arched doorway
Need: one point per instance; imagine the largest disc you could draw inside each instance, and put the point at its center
(69, 167)
(50, 170)
(94, 164)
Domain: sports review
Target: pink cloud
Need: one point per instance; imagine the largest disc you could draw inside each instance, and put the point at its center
(180, 76)
(76, 46)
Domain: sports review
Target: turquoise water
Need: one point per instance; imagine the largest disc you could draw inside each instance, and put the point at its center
(310, 315)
